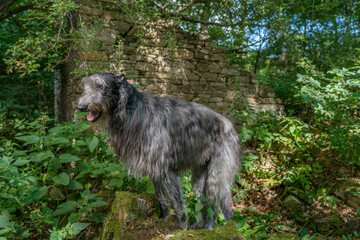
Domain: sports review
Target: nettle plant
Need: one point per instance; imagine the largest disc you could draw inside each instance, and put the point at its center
(52, 178)
(335, 98)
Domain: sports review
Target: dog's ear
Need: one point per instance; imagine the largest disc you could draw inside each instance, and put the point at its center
(120, 78)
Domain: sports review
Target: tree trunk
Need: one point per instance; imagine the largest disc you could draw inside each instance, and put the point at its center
(65, 88)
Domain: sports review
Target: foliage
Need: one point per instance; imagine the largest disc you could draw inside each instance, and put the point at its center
(336, 101)
(26, 97)
(51, 174)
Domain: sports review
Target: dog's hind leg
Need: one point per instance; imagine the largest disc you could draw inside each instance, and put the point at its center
(162, 198)
(221, 172)
(172, 185)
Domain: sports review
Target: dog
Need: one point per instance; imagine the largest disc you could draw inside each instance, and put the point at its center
(162, 137)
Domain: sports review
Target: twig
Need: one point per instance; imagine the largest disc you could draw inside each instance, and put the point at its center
(22, 25)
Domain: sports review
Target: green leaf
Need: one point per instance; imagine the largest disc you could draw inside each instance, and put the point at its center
(78, 227)
(29, 139)
(110, 151)
(74, 185)
(58, 141)
(187, 210)
(39, 193)
(41, 156)
(63, 179)
(65, 208)
(95, 217)
(4, 231)
(74, 217)
(150, 189)
(67, 157)
(210, 213)
(68, 204)
(86, 194)
(20, 162)
(198, 217)
(26, 234)
(98, 203)
(57, 129)
(116, 182)
(5, 219)
(92, 144)
(198, 207)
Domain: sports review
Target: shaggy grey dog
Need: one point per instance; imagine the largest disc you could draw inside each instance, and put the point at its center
(162, 137)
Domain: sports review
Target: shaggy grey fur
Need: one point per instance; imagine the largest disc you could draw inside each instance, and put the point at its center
(162, 137)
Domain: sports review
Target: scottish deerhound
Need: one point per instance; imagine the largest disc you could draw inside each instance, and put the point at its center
(162, 137)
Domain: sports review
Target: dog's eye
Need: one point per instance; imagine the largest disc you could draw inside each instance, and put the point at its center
(101, 86)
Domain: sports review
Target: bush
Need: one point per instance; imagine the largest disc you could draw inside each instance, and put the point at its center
(53, 179)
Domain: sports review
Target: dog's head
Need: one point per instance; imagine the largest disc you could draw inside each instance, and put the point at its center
(103, 94)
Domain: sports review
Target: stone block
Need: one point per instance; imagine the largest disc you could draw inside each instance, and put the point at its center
(254, 80)
(231, 95)
(186, 89)
(112, 15)
(121, 26)
(159, 75)
(214, 68)
(220, 94)
(201, 56)
(210, 77)
(202, 67)
(90, 11)
(244, 79)
(189, 65)
(193, 77)
(266, 91)
(228, 71)
(217, 57)
(142, 66)
(271, 100)
(188, 97)
(136, 58)
(94, 56)
(252, 100)
(187, 54)
(188, 46)
(210, 44)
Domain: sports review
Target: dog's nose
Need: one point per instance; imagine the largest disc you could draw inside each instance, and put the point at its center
(82, 107)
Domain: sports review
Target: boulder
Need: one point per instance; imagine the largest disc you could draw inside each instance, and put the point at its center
(127, 209)
(327, 223)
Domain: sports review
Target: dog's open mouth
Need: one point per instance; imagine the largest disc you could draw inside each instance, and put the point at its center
(93, 116)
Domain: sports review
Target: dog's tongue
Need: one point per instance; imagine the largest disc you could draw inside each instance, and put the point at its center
(92, 116)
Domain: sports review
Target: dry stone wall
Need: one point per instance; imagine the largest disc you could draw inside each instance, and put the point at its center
(189, 67)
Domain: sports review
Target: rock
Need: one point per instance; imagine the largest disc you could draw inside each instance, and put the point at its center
(299, 194)
(126, 209)
(292, 203)
(348, 189)
(354, 200)
(326, 224)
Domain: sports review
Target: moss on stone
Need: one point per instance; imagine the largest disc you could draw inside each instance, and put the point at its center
(127, 208)
(228, 231)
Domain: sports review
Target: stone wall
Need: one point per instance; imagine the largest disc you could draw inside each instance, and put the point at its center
(188, 67)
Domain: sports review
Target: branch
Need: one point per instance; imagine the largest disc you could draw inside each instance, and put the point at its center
(5, 5)
(22, 25)
(189, 5)
(189, 19)
(20, 9)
